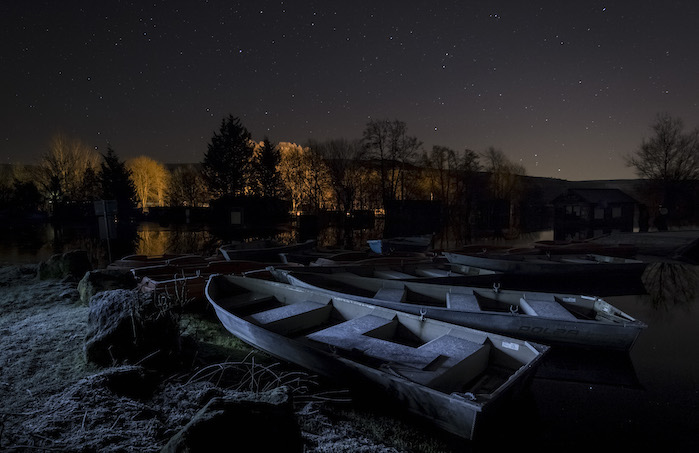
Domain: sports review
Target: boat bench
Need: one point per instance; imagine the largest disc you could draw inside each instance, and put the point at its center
(293, 317)
(433, 273)
(392, 294)
(248, 299)
(441, 362)
(389, 274)
(462, 302)
(545, 308)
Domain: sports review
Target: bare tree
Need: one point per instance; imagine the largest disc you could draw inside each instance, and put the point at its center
(305, 176)
(151, 179)
(63, 168)
(668, 161)
(441, 165)
(187, 187)
(670, 155)
(389, 142)
(343, 160)
(504, 180)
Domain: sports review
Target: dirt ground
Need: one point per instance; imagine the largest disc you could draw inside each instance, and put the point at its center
(54, 400)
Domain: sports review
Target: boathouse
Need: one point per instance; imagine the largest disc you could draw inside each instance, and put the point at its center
(586, 213)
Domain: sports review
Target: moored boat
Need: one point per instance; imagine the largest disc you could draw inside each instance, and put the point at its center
(451, 375)
(543, 264)
(549, 318)
(401, 244)
(262, 250)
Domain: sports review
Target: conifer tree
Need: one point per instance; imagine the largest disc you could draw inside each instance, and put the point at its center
(228, 159)
(115, 182)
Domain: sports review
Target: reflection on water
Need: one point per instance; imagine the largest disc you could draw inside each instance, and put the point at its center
(153, 239)
(671, 284)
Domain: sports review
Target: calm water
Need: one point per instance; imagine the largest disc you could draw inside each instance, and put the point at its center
(579, 401)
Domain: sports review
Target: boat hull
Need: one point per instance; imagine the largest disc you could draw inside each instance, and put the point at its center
(452, 412)
(574, 332)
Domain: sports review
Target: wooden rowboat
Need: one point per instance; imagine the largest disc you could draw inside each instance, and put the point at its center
(451, 375)
(549, 318)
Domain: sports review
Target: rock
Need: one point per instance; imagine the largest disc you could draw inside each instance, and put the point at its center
(125, 326)
(129, 381)
(262, 421)
(103, 280)
(72, 264)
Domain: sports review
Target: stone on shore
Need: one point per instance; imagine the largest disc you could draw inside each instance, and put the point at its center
(71, 264)
(125, 326)
(262, 421)
(100, 280)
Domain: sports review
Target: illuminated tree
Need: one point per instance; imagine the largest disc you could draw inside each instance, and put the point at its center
(62, 169)
(305, 176)
(187, 187)
(389, 142)
(227, 162)
(150, 179)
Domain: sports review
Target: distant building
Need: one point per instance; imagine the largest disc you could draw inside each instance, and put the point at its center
(587, 213)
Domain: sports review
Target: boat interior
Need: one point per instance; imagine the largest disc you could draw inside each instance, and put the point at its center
(470, 299)
(431, 353)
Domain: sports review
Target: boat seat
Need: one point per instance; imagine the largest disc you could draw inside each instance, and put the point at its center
(244, 300)
(462, 360)
(389, 274)
(432, 273)
(293, 317)
(353, 335)
(392, 294)
(349, 335)
(439, 363)
(545, 308)
(462, 302)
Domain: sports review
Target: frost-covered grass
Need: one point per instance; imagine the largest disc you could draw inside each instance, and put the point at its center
(53, 399)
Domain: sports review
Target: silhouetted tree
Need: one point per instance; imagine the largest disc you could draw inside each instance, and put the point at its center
(90, 189)
(440, 168)
(668, 162)
(227, 162)
(267, 177)
(26, 196)
(187, 187)
(115, 182)
(389, 142)
(343, 161)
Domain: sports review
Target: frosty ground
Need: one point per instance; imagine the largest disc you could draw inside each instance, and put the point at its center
(53, 399)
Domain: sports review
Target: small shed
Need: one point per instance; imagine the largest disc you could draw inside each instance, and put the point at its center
(587, 213)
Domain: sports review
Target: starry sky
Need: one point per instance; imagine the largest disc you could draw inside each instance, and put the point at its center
(566, 88)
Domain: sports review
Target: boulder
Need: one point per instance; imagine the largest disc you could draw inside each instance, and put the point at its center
(128, 381)
(262, 421)
(71, 264)
(99, 280)
(125, 326)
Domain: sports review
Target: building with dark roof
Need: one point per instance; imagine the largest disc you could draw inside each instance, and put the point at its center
(586, 213)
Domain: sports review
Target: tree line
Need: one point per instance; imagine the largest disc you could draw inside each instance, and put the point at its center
(384, 165)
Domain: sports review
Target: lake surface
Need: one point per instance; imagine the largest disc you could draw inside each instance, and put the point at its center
(647, 398)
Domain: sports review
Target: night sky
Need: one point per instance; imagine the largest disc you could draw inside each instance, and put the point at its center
(565, 88)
